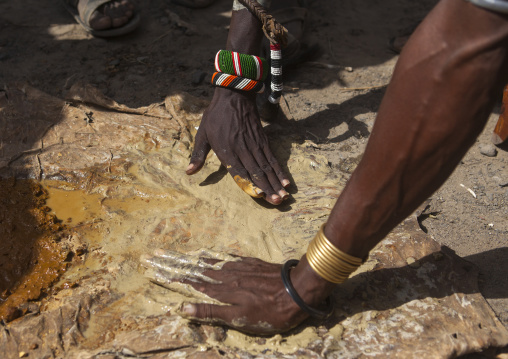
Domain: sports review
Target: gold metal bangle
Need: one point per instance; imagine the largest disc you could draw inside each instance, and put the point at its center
(328, 261)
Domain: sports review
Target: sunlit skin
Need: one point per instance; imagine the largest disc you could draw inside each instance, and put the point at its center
(232, 128)
(442, 91)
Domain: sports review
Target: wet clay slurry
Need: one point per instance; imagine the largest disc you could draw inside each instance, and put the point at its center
(31, 257)
(74, 207)
(248, 187)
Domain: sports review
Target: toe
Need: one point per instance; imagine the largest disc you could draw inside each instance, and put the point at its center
(114, 14)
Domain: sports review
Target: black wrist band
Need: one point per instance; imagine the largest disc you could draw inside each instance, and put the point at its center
(315, 313)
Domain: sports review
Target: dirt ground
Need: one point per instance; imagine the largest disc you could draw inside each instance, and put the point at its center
(331, 99)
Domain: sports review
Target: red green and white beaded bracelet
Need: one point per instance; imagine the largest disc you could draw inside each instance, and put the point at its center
(236, 82)
(247, 66)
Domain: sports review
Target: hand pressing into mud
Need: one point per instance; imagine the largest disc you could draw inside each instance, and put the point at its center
(231, 127)
(244, 293)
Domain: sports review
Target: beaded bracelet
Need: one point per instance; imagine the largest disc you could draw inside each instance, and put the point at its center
(237, 82)
(234, 63)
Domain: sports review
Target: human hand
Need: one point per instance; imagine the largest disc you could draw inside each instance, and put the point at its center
(231, 127)
(252, 296)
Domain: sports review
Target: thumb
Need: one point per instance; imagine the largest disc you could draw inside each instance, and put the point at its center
(208, 313)
(201, 149)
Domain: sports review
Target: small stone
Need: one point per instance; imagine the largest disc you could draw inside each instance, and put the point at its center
(198, 77)
(114, 62)
(412, 262)
(501, 182)
(23, 354)
(488, 150)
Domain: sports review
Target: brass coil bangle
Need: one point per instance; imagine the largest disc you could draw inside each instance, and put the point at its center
(328, 261)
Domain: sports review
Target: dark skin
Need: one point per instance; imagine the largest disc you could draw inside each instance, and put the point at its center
(441, 94)
(110, 15)
(232, 128)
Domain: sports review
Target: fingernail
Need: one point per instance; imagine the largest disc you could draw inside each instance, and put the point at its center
(283, 194)
(285, 183)
(188, 309)
(275, 198)
(258, 190)
(189, 167)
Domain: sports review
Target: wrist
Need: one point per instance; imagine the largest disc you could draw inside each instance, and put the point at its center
(228, 94)
(245, 33)
(312, 288)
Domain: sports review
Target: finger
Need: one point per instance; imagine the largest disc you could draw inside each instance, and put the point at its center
(248, 176)
(201, 149)
(279, 172)
(265, 159)
(270, 174)
(256, 177)
(241, 177)
(225, 315)
(209, 313)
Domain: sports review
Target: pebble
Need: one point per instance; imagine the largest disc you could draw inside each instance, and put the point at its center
(412, 262)
(114, 62)
(198, 77)
(488, 150)
(501, 182)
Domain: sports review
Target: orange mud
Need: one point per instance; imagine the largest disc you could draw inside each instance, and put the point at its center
(248, 187)
(31, 255)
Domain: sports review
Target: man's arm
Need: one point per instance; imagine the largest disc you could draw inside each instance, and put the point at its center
(231, 126)
(441, 94)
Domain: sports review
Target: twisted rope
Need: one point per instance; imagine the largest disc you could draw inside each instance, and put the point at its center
(274, 31)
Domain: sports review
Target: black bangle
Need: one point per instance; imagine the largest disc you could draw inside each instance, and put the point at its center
(315, 313)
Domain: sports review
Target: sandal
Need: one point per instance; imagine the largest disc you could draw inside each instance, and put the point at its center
(90, 7)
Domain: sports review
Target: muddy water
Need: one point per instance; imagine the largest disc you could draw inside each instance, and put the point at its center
(73, 206)
(31, 255)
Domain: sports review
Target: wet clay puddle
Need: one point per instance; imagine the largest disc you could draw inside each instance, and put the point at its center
(32, 256)
(36, 221)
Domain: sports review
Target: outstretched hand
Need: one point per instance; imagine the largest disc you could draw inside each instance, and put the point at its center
(251, 291)
(231, 127)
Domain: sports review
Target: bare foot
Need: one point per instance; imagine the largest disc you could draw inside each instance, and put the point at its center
(113, 14)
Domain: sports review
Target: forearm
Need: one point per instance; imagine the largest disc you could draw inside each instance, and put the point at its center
(245, 33)
(439, 99)
(441, 94)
